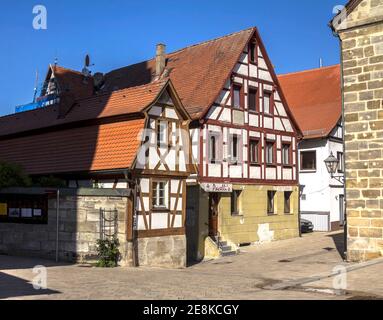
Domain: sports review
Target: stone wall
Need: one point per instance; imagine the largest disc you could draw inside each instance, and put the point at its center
(362, 51)
(79, 230)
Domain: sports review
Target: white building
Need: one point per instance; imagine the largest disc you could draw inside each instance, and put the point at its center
(314, 97)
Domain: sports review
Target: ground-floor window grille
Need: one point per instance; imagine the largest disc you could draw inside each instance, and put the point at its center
(108, 223)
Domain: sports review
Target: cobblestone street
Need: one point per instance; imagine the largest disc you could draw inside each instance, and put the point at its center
(291, 269)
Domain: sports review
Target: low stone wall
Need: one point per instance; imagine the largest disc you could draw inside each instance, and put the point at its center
(79, 230)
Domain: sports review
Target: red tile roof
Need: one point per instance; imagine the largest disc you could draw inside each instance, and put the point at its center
(84, 149)
(121, 102)
(315, 99)
(75, 146)
(73, 82)
(198, 72)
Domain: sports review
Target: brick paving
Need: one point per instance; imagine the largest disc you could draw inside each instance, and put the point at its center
(242, 277)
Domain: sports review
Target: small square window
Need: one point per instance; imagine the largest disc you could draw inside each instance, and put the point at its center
(160, 194)
(308, 161)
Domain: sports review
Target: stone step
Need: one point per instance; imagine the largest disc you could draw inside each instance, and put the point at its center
(226, 248)
(223, 243)
(228, 253)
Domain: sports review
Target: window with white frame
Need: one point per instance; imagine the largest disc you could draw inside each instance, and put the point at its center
(267, 102)
(270, 159)
(160, 194)
(162, 133)
(286, 150)
(213, 147)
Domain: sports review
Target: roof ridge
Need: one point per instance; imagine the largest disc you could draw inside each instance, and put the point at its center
(67, 69)
(309, 70)
(184, 48)
(212, 40)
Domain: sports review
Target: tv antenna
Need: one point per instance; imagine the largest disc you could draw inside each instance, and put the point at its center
(36, 85)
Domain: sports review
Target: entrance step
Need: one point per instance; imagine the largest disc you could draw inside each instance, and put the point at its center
(228, 253)
(224, 248)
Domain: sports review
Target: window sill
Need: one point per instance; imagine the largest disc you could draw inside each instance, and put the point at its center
(307, 171)
(271, 214)
(253, 112)
(272, 165)
(237, 215)
(288, 166)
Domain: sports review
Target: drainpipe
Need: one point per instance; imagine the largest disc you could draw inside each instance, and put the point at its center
(344, 141)
(57, 224)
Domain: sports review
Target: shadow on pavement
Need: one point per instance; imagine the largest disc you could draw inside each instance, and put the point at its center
(16, 263)
(13, 287)
(338, 239)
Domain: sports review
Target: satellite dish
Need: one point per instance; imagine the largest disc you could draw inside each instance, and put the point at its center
(98, 79)
(87, 60)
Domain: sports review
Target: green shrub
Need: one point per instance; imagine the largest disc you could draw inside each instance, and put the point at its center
(108, 253)
(12, 175)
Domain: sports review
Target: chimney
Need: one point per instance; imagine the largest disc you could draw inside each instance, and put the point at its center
(160, 59)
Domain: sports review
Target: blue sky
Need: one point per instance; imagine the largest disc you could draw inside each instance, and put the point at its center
(120, 32)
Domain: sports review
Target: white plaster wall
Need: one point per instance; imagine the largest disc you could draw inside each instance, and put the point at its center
(320, 195)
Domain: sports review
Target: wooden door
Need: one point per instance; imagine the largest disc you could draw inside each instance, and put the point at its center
(213, 214)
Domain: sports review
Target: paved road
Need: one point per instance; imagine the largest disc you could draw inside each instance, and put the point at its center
(291, 269)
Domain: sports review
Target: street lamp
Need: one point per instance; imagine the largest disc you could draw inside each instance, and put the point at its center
(332, 165)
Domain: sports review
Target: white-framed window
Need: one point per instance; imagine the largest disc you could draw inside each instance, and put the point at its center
(270, 159)
(162, 133)
(267, 102)
(160, 194)
(286, 154)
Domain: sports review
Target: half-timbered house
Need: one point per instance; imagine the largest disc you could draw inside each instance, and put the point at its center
(244, 140)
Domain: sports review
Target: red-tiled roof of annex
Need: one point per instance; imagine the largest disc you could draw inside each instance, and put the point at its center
(85, 149)
(315, 99)
(79, 148)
